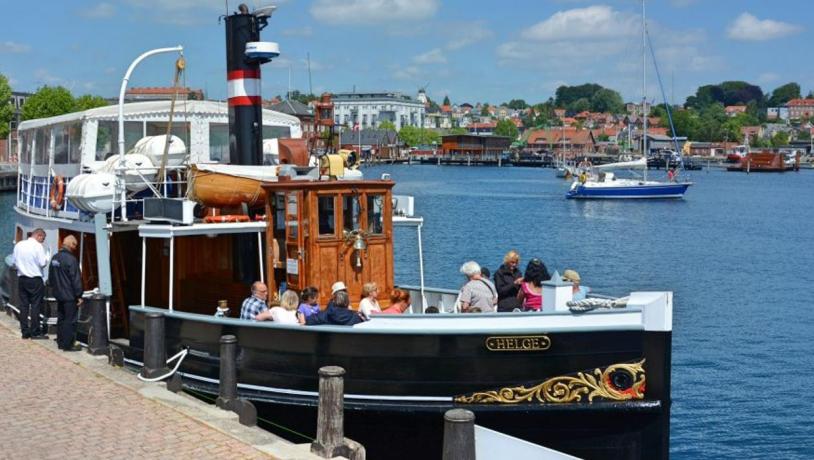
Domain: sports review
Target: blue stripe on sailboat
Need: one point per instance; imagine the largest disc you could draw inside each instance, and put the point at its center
(641, 191)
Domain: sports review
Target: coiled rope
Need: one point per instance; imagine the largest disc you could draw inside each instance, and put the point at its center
(593, 303)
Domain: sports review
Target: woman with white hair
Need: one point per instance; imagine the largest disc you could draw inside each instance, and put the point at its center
(286, 313)
(478, 291)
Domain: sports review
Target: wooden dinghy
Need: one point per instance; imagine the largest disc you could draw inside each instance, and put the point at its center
(224, 186)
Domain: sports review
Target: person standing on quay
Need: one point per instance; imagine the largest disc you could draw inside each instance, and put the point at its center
(30, 257)
(66, 281)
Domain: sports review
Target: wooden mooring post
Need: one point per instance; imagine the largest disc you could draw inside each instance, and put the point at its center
(155, 355)
(331, 440)
(227, 388)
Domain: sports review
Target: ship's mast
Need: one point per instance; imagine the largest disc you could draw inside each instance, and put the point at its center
(644, 88)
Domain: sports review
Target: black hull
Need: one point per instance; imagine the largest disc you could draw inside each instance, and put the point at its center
(403, 383)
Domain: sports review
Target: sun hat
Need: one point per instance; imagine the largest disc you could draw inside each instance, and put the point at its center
(338, 286)
(571, 275)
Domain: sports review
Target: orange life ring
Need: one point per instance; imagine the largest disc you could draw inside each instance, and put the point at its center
(225, 218)
(57, 194)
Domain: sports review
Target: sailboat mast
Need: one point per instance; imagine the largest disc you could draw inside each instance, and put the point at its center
(644, 87)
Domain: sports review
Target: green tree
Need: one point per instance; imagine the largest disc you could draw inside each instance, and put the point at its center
(580, 105)
(414, 136)
(387, 125)
(758, 142)
(446, 100)
(48, 101)
(88, 101)
(607, 100)
(567, 95)
(507, 128)
(780, 139)
(6, 110)
(687, 123)
(517, 104)
(783, 94)
(458, 131)
(484, 112)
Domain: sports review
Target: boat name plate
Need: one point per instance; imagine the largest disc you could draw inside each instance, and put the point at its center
(518, 343)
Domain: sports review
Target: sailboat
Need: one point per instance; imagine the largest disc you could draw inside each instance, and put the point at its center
(601, 183)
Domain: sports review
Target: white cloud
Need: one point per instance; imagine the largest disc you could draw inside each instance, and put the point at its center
(13, 47)
(433, 56)
(47, 78)
(593, 22)
(372, 11)
(101, 10)
(409, 72)
(768, 77)
(306, 31)
(464, 34)
(749, 28)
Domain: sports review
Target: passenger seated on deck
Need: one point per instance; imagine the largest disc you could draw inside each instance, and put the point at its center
(339, 286)
(370, 300)
(477, 292)
(337, 314)
(254, 307)
(580, 292)
(399, 302)
(286, 313)
(309, 301)
(531, 290)
(431, 310)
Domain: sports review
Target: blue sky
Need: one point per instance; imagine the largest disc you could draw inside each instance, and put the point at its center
(472, 50)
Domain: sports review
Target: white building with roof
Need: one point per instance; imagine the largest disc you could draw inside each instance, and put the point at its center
(371, 109)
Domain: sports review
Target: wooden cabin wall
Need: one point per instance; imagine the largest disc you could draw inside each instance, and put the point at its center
(203, 274)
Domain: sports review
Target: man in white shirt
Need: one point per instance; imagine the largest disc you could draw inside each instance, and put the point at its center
(31, 258)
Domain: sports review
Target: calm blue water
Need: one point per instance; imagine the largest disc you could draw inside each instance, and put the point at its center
(736, 252)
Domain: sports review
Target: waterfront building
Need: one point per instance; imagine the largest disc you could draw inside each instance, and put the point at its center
(800, 108)
(468, 144)
(483, 128)
(368, 110)
(777, 113)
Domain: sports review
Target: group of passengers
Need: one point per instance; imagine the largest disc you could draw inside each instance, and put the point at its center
(511, 291)
(304, 309)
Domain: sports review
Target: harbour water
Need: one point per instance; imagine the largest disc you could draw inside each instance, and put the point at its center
(736, 252)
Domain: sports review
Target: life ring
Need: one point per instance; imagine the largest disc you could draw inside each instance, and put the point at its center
(57, 194)
(222, 219)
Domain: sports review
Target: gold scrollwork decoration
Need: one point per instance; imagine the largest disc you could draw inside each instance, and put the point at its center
(617, 382)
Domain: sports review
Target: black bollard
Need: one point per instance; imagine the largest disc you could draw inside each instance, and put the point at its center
(330, 422)
(155, 355)
(97, 336)
(14, 287)
(227, 390)
(459, 434)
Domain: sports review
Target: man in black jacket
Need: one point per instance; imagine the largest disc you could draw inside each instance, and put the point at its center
(507, 282)
(66, 282)
(337, 314)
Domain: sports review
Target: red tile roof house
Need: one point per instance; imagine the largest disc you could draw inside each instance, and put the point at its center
(752, 131)
(732, 110)
(799, 108)
(569, 141)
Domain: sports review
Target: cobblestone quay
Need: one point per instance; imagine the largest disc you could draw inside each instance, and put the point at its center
(51, 407)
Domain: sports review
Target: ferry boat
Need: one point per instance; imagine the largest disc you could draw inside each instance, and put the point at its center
(768, 161)
(590, 383)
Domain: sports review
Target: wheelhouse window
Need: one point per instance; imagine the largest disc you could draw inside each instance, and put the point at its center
(350, 212)
(326, 206)
(375, 212)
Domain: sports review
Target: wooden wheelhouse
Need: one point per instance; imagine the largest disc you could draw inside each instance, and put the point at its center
(322, 232)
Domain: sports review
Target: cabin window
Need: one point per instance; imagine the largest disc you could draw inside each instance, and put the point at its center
(42, 140)
(326, 205)
(60, 134)
(350, 212)
(375, 212)
(107, 137)
(179, 129)
(74, 131)
(25, 147)
(219, 142)
(276, 132)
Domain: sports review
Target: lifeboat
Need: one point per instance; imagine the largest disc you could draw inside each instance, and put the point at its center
(221, 186)
(94, 192)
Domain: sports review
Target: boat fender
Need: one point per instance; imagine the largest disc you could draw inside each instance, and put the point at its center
(226, 218)
(260, 218)
(57, 195)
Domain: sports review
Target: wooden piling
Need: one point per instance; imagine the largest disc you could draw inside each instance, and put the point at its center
(459, 435)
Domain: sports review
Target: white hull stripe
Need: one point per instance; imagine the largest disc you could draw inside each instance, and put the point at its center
(313, 394)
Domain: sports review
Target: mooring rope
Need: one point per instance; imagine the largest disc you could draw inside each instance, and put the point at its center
(179, 356)
(593, 303)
